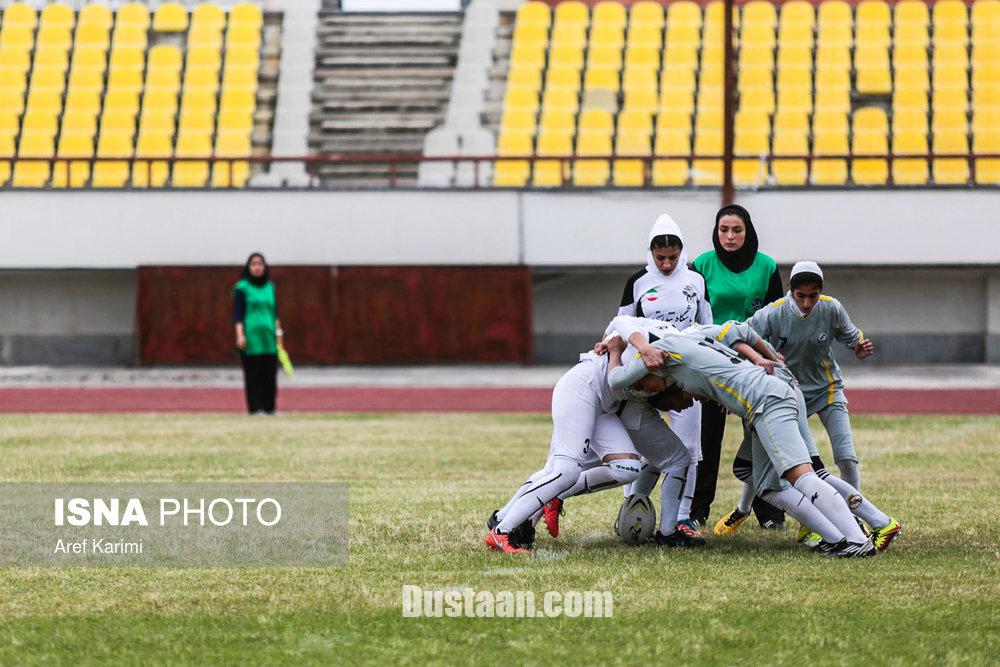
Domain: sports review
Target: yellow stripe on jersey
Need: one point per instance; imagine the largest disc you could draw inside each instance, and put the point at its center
(730, 390)
(725, 330)
(823, 297)
(674, 355)
(862, 335)
(829, 376)
(778, 302)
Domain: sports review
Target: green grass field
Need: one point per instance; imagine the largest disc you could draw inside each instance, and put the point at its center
(421, 488)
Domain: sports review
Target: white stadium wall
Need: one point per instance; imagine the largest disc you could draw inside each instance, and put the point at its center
(920, 268)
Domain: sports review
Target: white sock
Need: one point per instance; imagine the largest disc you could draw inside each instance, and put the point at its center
(599, 478)
(850, 472)
(857, 503)
(798, 507)
(746, 498)
(502, 512)
(684, 512)
(562, 474)
(828, 501)
(671, 492)
(645, 482)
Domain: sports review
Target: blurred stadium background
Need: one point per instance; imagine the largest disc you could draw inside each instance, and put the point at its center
(465, 182)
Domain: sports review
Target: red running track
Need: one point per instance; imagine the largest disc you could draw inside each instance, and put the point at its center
(422, 399)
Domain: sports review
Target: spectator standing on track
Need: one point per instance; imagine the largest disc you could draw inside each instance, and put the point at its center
(258, 334)
(739, 280)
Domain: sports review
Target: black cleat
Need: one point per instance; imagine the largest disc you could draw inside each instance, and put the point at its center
(673, 540)
(771, 524)
(492, 522)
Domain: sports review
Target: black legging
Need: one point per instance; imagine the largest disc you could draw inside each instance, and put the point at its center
(713, 428)
(260, 377)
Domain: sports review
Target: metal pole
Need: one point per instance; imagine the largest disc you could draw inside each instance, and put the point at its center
(728, 105)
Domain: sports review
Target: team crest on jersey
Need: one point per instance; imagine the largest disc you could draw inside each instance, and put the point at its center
(651, 295)
(757, 304)
(823, 337)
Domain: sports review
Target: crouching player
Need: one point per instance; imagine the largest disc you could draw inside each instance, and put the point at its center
(705, 368)
(884, 528)
(584, 420)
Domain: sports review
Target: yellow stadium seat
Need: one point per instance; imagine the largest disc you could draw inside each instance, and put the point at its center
(596, 122)
(572, 36)
(517, 121)
(984, 97)
(592, 173)
(572, 12)
(872, 75)
(33, 173)
(670, 172)
(630, 172)
(55, 59)
(789, 140)
(646, 12)
(639, 78)
(246, 13)
(757, 100)
(565, 78)
(909, 98)
(605, 57)
(830, 132)
(208, 14)
(20, 14)
(207, 36)
(985, 141)
(170, 17)
(606, 36)
(239, 79)
(152, 173)
(112, 173)
(76, 173)
(635, 122)
(954, 141)
(57, 15)
(513, 173)
(870, 136)
(794, 100)
(560, 99)
(531, 33)
(609, 12)
(641, 99)
(201, 78)
(599, 77)
(133, 14)
(529, 78)
(92, 36)
(191, 173)
(752, 138)
(909, 171)
(535, 13)
(244, 36)
(566, 57)
(552, 173)
(96, 15)
(235, 173)
(645, 36)
(79, 122)
(16, 37)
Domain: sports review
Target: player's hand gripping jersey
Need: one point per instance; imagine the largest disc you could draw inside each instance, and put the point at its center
(806, 342)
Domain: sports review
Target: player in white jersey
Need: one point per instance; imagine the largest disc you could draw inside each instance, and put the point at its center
(802, 326)
(586, 429)
(668, 291)
(703, 367)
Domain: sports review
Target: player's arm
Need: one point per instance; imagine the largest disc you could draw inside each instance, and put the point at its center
(850, 335)
(704, 313)
(239, 314)
(632, 330)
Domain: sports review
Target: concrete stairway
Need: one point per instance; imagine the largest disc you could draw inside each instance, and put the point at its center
(381, 83)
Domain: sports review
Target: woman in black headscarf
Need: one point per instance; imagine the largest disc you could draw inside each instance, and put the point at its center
(739, 280)
(258, 334)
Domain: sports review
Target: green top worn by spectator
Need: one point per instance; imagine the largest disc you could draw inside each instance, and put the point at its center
(739, 280)
(259, 314)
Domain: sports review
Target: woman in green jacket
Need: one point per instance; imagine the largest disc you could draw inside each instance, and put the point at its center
(739, 280)
(258, 334)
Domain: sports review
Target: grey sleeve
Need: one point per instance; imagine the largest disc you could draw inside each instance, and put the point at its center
(844, 330)
(631, 371)
(734, 332)
(760, 322)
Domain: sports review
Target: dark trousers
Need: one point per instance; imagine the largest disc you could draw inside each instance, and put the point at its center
(260, 378)
(713, 428)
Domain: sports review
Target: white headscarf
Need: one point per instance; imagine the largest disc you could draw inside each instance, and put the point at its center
(665, 225)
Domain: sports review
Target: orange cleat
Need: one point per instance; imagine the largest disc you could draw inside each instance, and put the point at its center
(501, 542)
(551, 510)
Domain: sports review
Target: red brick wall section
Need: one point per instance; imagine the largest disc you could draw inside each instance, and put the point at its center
(355, 315)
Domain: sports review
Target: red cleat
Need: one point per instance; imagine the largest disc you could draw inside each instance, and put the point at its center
(501, 542)
(551, 511)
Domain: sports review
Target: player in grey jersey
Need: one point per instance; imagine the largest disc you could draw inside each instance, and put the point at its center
(802, 327)
(702, 366)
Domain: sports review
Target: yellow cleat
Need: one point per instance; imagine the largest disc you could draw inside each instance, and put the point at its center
(883, 537)
(728, 524)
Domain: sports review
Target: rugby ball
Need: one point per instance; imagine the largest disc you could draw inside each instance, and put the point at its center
(636, 520)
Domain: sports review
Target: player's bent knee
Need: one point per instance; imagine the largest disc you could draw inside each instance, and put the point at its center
(742, 469)
(625, 471)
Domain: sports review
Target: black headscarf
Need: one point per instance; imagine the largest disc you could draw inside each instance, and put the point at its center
(740, 260)
(264, 277)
